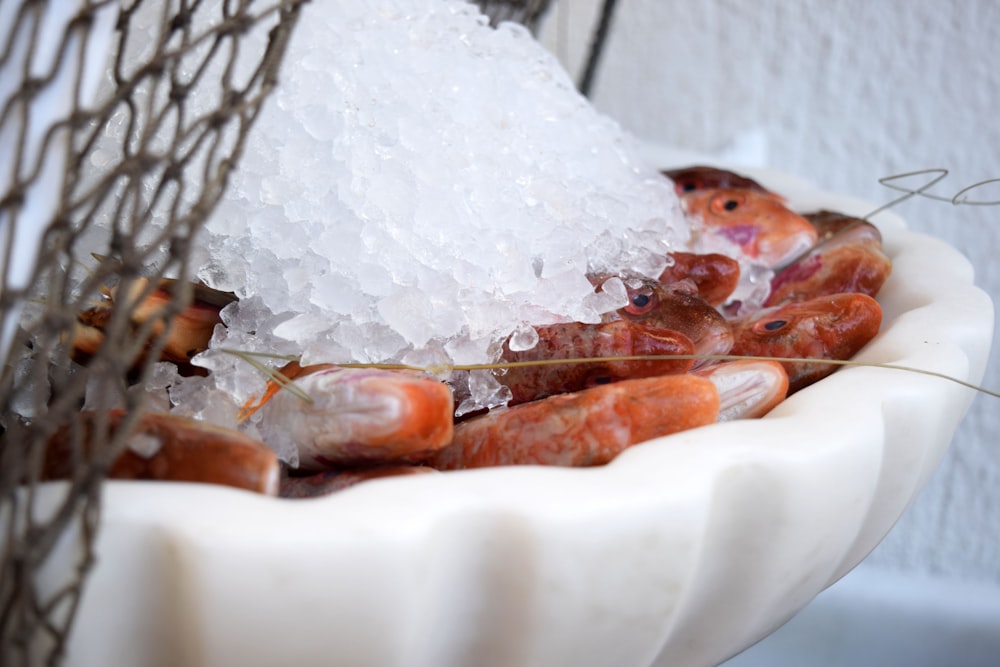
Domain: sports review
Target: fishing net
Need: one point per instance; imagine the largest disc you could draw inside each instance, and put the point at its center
(121, 122)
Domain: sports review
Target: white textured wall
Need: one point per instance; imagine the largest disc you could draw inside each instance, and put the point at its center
(842, 93)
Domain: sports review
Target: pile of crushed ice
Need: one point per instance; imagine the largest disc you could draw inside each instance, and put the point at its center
(419, 187)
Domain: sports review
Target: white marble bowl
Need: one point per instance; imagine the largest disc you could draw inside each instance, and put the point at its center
(683, 551)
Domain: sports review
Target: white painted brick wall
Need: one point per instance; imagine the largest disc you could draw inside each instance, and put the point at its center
(842, 93)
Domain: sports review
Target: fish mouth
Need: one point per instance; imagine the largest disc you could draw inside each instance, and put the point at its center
(790, 248)
(715, 344)
(852, 320)
(742, 235)
(865, 309)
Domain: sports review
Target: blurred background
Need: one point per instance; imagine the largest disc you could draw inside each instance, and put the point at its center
(844, 94)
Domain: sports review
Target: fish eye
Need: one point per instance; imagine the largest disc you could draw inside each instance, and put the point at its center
(640, 301)
(773, 325)
(727, 202)
(689, 187)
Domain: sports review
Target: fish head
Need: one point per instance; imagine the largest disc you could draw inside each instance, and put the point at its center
(714, 275)
(828, 327)
(679, 308)
(766, 231)
(831, 224)
(700, 177)
(848, 259)
(832, 327)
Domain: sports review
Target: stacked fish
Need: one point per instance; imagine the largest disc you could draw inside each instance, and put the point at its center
(680, 354)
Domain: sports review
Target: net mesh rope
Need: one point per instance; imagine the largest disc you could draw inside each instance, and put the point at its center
(140, 152)
(138, 165)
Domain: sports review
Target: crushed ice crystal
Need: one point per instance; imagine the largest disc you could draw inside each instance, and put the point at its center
(422, 181)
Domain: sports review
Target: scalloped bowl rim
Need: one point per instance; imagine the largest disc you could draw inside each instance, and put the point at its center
(683, 550)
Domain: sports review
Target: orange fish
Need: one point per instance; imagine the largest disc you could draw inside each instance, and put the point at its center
(356, 415)
(584, 428)
(670, 307)
(766, 230)
(713, 274)
(848, 258)
(699, 177)
(578, 340)
(190, 329)
(172, 448)
(836, 326)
